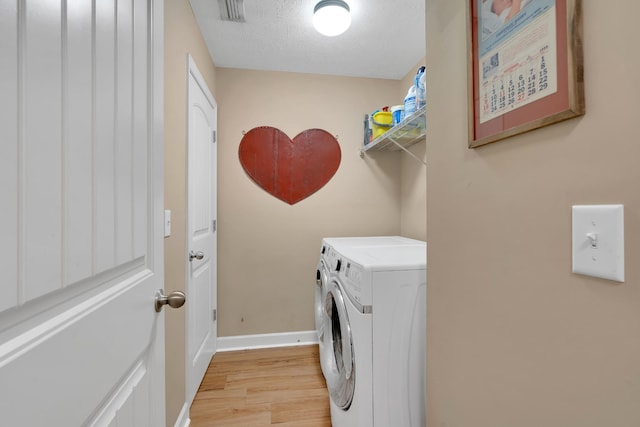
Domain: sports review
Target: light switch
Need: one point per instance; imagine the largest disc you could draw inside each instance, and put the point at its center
(598, 241)
(167, 223)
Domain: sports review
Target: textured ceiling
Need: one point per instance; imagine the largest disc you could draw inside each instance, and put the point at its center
(385, 40)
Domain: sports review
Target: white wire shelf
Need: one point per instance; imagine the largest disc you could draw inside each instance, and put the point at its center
(406, 133)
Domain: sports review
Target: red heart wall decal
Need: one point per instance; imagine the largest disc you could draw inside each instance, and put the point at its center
(290, 170)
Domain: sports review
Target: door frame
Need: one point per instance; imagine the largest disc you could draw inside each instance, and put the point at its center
(158, 362)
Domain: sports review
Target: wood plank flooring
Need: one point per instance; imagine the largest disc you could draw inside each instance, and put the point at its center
(268, 387)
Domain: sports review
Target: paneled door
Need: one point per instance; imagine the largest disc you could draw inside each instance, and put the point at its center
(201, 229)
(81, 259)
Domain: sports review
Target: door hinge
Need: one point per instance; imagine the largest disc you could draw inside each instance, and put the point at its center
(214, 225)
(214, 136)
(215, 314)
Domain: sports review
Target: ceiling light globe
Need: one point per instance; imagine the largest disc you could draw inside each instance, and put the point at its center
(331, 17)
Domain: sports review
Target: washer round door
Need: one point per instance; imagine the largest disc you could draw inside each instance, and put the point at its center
(322, 279)
(341, 375)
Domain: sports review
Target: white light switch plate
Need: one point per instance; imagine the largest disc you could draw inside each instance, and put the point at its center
(167, 223)
(598, 241)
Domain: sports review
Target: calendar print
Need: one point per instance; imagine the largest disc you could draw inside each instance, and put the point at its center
(521, 70)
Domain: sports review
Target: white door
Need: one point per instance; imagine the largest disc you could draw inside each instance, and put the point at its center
(201, 230)
(81, 220)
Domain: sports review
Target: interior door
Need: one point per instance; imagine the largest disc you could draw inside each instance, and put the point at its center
(81, 220)
(201, 230)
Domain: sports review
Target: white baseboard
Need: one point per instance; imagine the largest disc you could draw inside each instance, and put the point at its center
(183, 418)
(284, 339)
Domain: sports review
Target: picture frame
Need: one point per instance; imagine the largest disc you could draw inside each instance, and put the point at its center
(525, 66)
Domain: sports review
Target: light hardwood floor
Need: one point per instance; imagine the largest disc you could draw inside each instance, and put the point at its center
(280, 386)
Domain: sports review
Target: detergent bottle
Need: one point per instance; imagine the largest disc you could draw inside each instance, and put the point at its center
(410, 101)
(421, 90)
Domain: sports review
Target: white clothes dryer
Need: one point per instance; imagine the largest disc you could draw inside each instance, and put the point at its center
(322, 281)
(328, 265)
(375, 332)
(323, 274)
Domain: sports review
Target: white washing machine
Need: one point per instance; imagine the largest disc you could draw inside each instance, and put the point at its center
(374, 342)
(323, 275)
(325, 270)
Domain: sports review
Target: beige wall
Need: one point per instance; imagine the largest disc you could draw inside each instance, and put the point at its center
(413, 195)
(514, 338)
(181, 37)
(269, 249)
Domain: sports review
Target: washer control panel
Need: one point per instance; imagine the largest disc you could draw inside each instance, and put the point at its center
(353, 277)
(353, 273)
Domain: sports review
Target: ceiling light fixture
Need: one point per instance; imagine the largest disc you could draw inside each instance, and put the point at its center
(331, 17)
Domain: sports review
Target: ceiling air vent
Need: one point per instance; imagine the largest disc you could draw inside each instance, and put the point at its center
(232, 10)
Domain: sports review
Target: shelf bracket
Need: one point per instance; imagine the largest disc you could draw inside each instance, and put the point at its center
(407, 151)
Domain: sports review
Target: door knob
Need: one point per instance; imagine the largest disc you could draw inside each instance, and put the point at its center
(196, 255)
(175, 299)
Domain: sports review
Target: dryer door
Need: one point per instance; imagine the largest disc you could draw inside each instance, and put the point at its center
(341, 372)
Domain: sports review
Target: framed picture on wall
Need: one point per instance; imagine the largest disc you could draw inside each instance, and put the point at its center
(525, 66)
